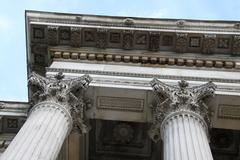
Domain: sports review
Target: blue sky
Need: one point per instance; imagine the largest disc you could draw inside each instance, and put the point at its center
(13, 75)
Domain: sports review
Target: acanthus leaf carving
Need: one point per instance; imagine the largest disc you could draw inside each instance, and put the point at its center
(181, 98)
(67, 93)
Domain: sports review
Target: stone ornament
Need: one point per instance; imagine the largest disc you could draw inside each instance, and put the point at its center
(208, 43)
(181, 23)
(236, 45)
(181, 42)
(127, 40)
(2, 105)
(179, 99)
(67, 93)
(154, 41)
(123, 133)
(75, 37)
(52, 35)
(101, 40)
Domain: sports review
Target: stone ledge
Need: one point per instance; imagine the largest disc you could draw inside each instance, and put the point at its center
(147, 60)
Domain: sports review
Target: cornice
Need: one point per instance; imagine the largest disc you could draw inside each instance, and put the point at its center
(133, 23)
(202, 38)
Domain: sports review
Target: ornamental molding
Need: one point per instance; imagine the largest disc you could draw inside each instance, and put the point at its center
(126, 74)
(133, 23)
(67, 93)
(179, 100)
(171, 60)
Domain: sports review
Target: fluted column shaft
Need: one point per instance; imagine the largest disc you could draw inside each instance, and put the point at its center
(185, 138)
(42, 135)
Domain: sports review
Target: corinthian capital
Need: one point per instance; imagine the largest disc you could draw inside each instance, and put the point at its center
(66, 92)
(181, 98)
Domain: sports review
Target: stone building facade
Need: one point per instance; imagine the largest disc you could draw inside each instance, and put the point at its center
(121, 88)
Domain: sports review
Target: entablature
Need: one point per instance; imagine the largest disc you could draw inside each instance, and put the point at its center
(138, 40)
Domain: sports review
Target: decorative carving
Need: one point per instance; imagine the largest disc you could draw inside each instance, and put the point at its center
(171, 99)
(195, 42)
(181, 23)
(115, 37)
(229, 112)
(181, 42)
(128, 21)
(120, 139)
(208, 43)
(101, 38)
(223, 43)
(237, 25)
(127, 39)
(64, 34)
(38, 33)
(141, 38)
(236, 45)
(39, 48)
(167, 40)
(52, 35)
(2, 105)
(154, 41)
(123, 133)
(89, 36)
(75, 37)
(12, 123)
(68, 93)
(120, 103)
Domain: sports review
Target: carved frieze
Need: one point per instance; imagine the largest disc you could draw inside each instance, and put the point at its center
(67, 93)
(236, 45)
(209, 43)
(120, 103)
(101, 40)
(229, 111)
(52, 35)
(127, 42)
(75, 37)
(89, 36)
(141, 39)
(154, 41)
(172, 99)
(181, 42)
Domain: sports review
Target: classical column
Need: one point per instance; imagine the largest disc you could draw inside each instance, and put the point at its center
(181, 120)
(57, 108)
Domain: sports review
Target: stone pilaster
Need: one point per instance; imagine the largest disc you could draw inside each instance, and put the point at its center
(181, 120)
(57, 108)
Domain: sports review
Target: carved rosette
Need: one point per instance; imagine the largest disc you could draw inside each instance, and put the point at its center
(154, 41)
(181, 42)
(52, 35)
(236, 45)
(208, 43)
(75, 37)
(101, 38)
(179, 100)
(127, 40)
(65, 93)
